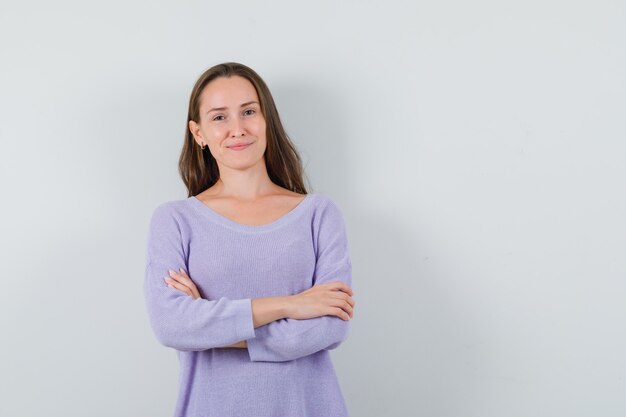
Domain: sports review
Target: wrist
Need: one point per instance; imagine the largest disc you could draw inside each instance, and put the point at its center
(286, 306)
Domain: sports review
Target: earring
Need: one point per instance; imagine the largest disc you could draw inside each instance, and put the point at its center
(203, 146)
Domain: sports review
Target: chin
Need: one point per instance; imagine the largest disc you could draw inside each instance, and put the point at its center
(249, 163)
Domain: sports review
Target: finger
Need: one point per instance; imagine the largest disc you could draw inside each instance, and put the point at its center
(345, 288)
(336, 311)
(177, 285)
(185, 280)
(342, 303)
(189, 291)
(345, 306)
(343, 296)
(342, 286)
(182, 279)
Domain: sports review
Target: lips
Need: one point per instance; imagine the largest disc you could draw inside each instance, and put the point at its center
(240, 144)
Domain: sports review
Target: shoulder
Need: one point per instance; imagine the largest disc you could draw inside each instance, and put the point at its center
(327, 210)
(170, 211)
(325, 202)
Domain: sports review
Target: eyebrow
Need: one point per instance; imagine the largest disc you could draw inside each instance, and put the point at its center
(224, 108)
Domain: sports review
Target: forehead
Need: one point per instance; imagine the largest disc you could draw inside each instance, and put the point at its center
(227, 92)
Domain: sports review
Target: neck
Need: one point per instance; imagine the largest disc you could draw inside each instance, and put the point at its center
(245, 185)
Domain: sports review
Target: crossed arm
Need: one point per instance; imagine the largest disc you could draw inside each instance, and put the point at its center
(264, 310)
(261, 325)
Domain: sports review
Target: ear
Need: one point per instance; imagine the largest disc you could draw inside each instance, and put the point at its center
(194, 128)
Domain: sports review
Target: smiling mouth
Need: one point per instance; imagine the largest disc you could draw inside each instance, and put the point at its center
(240, 146)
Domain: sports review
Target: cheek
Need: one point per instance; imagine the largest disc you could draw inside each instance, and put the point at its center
(260, 129)
(214, 131)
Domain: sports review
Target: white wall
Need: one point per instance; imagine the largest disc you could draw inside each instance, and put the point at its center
(477, 150)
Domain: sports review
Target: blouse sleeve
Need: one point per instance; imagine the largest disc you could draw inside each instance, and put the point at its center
(288, 339)
(178, 320)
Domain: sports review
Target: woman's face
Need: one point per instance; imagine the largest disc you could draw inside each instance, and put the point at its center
(230, 114)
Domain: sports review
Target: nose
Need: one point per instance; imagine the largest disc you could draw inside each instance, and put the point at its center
(237, 129)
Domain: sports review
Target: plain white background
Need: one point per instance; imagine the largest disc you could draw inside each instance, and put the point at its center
(477, 150)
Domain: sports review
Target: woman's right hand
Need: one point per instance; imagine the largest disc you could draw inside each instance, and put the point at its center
(330, 299)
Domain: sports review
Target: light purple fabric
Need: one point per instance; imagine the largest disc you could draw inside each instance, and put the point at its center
(286, 369)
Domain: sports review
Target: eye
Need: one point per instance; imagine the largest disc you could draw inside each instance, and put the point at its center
(252, 110)
(216, 117)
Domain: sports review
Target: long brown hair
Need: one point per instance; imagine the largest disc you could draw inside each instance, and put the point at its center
(198, 168)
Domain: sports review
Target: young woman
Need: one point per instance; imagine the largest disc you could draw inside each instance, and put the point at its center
(249, 277)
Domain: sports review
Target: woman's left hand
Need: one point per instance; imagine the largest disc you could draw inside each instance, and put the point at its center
(181, 281)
